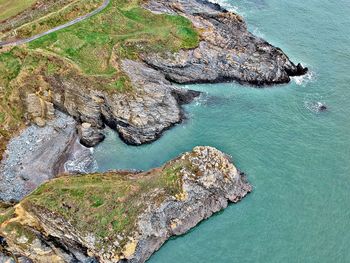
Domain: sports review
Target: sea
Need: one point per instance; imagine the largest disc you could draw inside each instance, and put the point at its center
(296, 158)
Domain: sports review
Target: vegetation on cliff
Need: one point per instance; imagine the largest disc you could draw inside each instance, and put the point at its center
(106, 204)
(90, 52)
(121, 215)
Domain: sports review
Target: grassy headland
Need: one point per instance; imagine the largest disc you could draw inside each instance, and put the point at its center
(83, 201)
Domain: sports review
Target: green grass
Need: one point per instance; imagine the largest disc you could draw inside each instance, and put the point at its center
(108, 204)
(11, 8)
(6, 213)
(125, 25)
(67, 13)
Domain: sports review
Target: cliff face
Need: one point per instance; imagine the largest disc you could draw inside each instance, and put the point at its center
(226, 51)
(139, 117)
(121, 217)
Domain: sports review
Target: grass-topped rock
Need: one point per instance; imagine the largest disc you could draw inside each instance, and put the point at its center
(121, 216)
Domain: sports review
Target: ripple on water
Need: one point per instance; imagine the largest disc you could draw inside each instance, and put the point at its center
(313, 102)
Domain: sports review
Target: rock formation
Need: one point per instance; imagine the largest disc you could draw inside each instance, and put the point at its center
(60, 222)
(228, 51)
(140, 117)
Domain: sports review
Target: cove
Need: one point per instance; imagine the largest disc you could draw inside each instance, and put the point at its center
(296, 158)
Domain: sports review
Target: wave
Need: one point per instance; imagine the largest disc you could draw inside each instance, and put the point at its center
(314, 102)
(226, 4)
(256, 31)
(305, 79)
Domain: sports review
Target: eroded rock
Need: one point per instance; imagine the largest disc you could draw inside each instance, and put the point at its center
(90, 136)
(162, 202)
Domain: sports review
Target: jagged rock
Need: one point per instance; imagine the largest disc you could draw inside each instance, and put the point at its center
(90, 136)
(139, 117)
(39, 109)
(34, 105)
(50, 110)
(168, 201)
(228, 51)
(81, 160)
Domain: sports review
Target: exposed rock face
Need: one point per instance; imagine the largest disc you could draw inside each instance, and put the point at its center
(35, 156)
(208, 181)
(39, 109)
(140, 117)
(80, 160)
(208, 190)
(227, 50)
(90, 136)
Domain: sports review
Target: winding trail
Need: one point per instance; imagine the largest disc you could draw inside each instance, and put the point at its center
(75, 21)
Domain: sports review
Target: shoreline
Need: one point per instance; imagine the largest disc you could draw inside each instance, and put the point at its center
(205, 179)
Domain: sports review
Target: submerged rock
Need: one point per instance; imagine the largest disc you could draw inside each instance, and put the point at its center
(316, 106)
(62, 220)
(321, 107)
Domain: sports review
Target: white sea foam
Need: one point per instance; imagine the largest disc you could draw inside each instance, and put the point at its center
(258, 33)
(226, 4)
(201, 100)
(305, 79)
(314, 102)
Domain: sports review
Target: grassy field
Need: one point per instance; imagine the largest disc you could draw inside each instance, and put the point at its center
(124, 25)
(11, 8)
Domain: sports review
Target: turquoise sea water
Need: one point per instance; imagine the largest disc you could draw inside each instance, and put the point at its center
(297, 160)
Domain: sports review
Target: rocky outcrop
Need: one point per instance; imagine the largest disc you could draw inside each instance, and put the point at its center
(139, 117)
(161, 203)
(227, 51)
(90, 136)
(80, 160)
(39, 108)
(35, 156)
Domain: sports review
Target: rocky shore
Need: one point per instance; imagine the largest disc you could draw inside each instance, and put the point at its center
(38, 154)
(127, 216)
(58, 222)
(227, 52)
